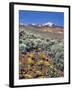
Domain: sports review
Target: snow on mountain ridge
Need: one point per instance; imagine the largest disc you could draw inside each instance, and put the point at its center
(49, 24)
(33, 24)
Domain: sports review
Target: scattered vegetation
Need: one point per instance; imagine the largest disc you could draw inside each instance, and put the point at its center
(40, 57)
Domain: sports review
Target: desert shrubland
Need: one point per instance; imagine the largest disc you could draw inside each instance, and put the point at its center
(40, 57)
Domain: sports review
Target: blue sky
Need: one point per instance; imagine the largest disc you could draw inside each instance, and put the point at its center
(39, 17)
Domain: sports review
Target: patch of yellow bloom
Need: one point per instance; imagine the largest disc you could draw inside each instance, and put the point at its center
(31, 55)
(39, 62)
(29, 61)
(46, 63)
(42, 55)
(38, 73)
(28, 76)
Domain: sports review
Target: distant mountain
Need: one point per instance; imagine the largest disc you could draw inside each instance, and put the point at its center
(48, 24)
(48, 27)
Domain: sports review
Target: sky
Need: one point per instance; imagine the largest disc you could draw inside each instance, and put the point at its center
(41, 17)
